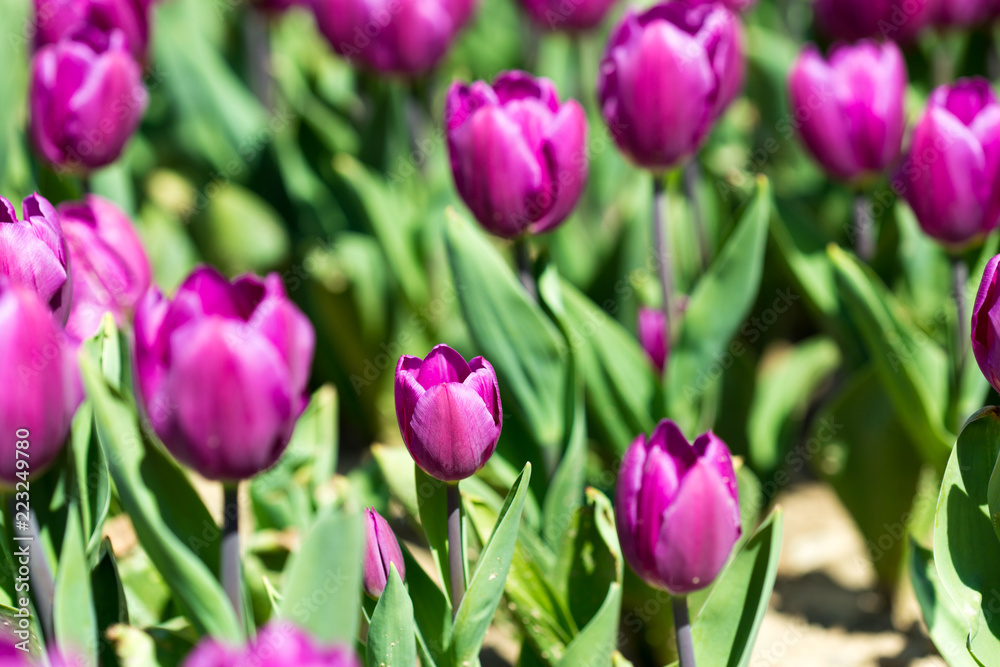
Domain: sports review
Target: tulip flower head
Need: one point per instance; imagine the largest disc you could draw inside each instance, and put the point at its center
(278, 644)
(986, 324)
(950, 177)
(574, 16)
(965, 13)
(93, 22)
(677, 509)
(449, 412)
(518, 154)
(855, 121)
(381, 551)
(653, 336)
(222, 371)
(667, 74)
(851, 20)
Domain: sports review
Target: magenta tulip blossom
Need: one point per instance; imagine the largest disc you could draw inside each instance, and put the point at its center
(667, 74)
(986, 325)
(381, 551)
(850, 108)
(653, 336)
(570, 15)
(677, 508)
(965, 13)
(406, 37)
(518, 154)
(93, 22)
(222, 371)
(278, 644)
(40, 380)
(449, 412)
(110, 269)
(851, 20)
(950, 176)
(33, 253)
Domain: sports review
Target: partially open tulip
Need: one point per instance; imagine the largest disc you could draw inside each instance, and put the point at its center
(677, 508)
(518, 154)
(950, 176)
(896, 20)
(571, 15)
(381, 551)
(41, 384)
(85, 103)
(666, 76)
(405, 37)
(110, 269)
(986, 325)
(652, 333)
(33, 253)
(278, 644)
(849, 110)
(448, 411)
(92, 22)
(222, 371)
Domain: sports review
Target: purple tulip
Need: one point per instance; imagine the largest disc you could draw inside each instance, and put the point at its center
(222, 371)
(12, 656)
(666, 76)
(950, 177)
(382, 550)
(40, 380)
(405, 37)
(965, 13)
(518, 155)
(850, 109)
(677, 508)
(652, 332)
(110, 269)
(93, 22)
(85, 103)
(33, 253)
(986, 329)
(851, 20)
(279, 6)
(570, 15)
(278, 644)
(448, 411)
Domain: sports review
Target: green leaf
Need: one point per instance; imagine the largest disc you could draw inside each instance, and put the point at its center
(432, 614)
(565, 493)
(396, 466)
(110, 605)
(15, 166)
(432, 504)
(322, 590)
(240, 232)
(73, 610)
(91, 477)
(947, 627)
(598, 641)
(487, 583)
(391, 635)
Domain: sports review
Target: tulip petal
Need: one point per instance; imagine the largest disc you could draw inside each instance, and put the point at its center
(453, 432)
(407, 392)
(565, 150)
(443, 364)
(483, 380)
(627, 490)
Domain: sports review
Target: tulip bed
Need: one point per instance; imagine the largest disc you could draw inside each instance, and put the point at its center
(458, 332)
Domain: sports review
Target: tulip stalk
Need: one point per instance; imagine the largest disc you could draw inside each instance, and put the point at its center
(40, 573)
(662, 248)
(230, 549)
(525, 272)
(960, 278)
(456, 560)
(864, 237)
(691, 178)
(682, 626)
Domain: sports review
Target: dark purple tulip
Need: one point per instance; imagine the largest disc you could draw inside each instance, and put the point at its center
(666, 76)
(381, 551)
(278, 644)
(518, 155)
(85, 103)
(851, 20)
(950, 176)
(652, 332)
(571, 15)
(279, 6)
(850, 109)
(965, 13)
(398, 36)
(33, 253)
(222, 371)
(40, 380)
(448, 411)
(677, 508)
(986, 325)
(93, 22)
(110, 269)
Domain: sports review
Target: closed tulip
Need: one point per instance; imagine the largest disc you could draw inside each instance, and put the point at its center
(677, 509)
(278, 644)
(110, 269)
(986, 325)
(851, 20)
(666, 76)
(571, 15)
(222, 371)
(405, 37)
(381, 551)
(850, 109)
(40, 380)
(93, 22)
(950, 177)
(652, 333)
(448, 411)
(85, 102)
(965, 13)
(518, 154)
(33, 253)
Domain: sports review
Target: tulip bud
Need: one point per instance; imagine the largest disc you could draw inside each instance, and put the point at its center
(518, 155)
(85, 103)
(448, 411)
(577, 15)
(40, 380)
(652, 332)
(110, 269)
(33, 253)
(382, 550)
(92, 22)
(279, 6)
(278, 644)
(986, 325)
(851, 20)
(965, 13)
(405, 37)
(854, 125)
(667, 74)
(677, 508)
(950, 177)
(222, 371)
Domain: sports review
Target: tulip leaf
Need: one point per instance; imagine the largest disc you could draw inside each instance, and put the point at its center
(432, 614)
(486, 585)
(598, 641)
(74, 619)
(725, 629)
(91, 477)
(966, 549)
(512, 332)
(947, 628)
(719, 304)
(432, 504)
(804, 251)
(15, 164)
(110, 605)
(391, 635)
(397, 468)
(565, 493)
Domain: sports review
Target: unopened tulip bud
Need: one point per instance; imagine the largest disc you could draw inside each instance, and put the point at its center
(653, 336)
(278, 644)
(573, 16)
(92, 22)
(986, 325)
(851, 20)
(381, 551)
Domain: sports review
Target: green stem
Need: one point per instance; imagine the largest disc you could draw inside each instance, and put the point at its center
(27, 536)
(525, 271)
(230, 548)
(682, 626)
(662, 246)
(456, 562)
